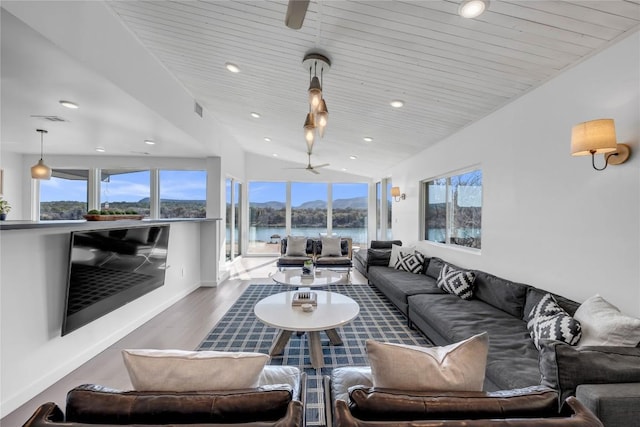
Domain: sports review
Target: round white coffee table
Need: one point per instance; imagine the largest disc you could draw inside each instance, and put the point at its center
(293, 277)
(333, 310)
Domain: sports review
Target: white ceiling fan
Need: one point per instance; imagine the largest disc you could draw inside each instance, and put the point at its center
(296, 10)
(311, 168)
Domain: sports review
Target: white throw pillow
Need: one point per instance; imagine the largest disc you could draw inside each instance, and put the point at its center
(296, 246)
(455, 367)
(331, 246)
(395, 253)
(603, 324)
(179, 370)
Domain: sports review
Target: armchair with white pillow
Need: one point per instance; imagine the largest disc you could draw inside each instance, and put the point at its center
(175, 387)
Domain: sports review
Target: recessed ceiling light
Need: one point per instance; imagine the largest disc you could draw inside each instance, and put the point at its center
(275, 154)
(353, 157)
(472, 8)
(232, 67)
(396, 103)
(267, 139)
(344, 169)
(100, 149)
(149, 142)
(368, 139)
(69, 104)
(255, 115)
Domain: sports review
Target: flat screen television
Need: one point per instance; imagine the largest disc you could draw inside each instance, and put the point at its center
(109, 268)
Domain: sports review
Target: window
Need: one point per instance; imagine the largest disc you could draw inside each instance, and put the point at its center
(233, 222)
(65, 195)
(453, 209)
(389, 232)
(267, 216)
(126, 190)
(308, 209)
(378, 210)
(183, 194)
(349, 212)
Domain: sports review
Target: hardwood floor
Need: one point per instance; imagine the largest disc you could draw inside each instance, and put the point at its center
(181, 326)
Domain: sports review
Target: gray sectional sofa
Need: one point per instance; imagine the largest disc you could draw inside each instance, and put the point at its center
(501, 308)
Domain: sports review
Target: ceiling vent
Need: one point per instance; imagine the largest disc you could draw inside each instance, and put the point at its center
(198, 109)
(51, 118)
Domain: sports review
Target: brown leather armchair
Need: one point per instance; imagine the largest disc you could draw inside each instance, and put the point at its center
(90, 405)
(361, 405)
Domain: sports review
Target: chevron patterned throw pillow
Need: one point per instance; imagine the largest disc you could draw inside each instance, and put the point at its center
(413, 263)
(548, 320)
(457, 282)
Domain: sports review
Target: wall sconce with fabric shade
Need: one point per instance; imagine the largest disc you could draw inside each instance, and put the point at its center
(397, 195)
(598, 137)
(40, 170)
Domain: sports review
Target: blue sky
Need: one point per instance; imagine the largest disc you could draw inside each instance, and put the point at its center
(129, 187)
(301, 192)
(189, 185)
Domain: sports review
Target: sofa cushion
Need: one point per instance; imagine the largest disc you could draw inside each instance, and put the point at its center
(296, 246)
(384, 244)
(101, 405)
(178, 370)
(564, 367)
(379, 257)
(343, 378)
(369, 403)
(434, 267)
(510, 346)
(273, 375)
(501, 293)
(456, 281)
(411, 262)
(459, 366)
(548, 320)
(603, 324)
(397, 285)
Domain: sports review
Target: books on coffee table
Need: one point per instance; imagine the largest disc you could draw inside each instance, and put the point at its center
(304, 297)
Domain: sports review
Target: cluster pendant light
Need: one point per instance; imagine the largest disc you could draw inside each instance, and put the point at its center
(40, 170)
(318, 115)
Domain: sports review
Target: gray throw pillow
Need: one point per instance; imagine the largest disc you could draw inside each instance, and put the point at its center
(296, 246)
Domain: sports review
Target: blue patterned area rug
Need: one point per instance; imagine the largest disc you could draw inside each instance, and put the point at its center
(239, 330)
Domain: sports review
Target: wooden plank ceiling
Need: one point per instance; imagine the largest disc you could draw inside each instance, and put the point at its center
(448, 70)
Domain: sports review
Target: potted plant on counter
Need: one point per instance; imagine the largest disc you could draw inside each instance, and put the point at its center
(5, 207)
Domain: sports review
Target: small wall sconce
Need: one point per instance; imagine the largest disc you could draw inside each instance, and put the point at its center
(397, 195)
(598, 137)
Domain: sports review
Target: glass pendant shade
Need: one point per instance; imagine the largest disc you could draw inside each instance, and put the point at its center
(309, 128)
(322, 118)
(40, 171)
(315, 94)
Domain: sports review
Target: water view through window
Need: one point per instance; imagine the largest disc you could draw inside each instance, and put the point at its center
(309, 213)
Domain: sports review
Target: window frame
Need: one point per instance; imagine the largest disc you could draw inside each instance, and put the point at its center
(448, 231)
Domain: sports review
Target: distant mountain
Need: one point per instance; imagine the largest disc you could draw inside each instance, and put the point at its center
(352, 203)
(147, 201)
(313, 204)
(272, 205)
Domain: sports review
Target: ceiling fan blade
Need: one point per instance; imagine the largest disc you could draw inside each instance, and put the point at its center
(324, 165)
(296, 10)
(312, 170)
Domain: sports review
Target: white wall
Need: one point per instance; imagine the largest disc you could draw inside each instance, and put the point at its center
(549, 219)
(33, 282)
